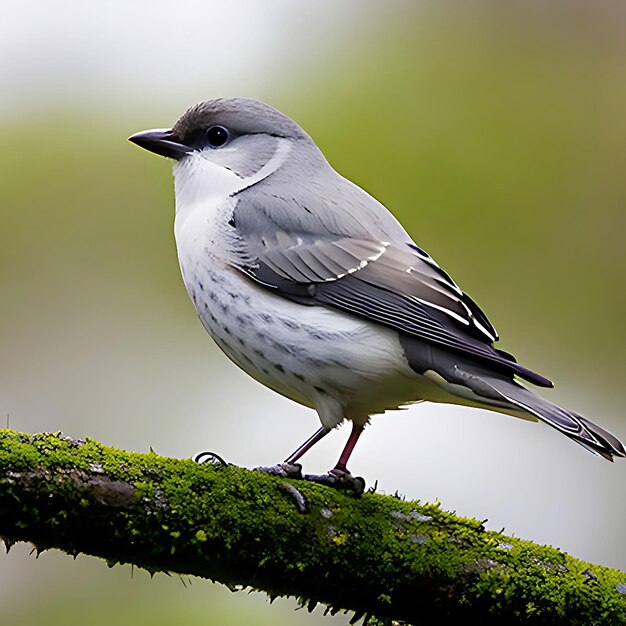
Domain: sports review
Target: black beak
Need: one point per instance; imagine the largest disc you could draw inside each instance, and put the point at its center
(161, 142)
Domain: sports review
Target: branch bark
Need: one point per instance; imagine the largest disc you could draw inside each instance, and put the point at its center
(375, 555)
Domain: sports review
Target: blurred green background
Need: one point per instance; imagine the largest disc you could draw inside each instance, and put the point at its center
(495, 131)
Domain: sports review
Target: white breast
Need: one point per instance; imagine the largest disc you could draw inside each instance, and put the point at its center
(332, 361)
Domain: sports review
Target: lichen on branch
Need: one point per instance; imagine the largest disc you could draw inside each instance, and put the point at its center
(377, 556)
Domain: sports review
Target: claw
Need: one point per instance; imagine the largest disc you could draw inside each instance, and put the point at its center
(340, 479)
(284, 470)
(209, 457)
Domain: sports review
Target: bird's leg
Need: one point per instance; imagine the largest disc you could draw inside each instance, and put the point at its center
(307, 445)
(289, 468)
(341, 466)
(339, 476)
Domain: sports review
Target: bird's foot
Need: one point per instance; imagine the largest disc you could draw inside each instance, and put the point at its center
(284, 470)
(339, 479)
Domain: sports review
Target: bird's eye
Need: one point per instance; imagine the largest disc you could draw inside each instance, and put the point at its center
(217, 136)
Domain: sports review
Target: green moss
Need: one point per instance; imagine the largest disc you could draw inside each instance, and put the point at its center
(375, 554)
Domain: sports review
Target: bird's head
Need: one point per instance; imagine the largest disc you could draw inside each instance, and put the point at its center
(229, 143)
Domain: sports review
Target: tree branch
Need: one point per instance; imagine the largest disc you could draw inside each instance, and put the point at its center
(375, 555)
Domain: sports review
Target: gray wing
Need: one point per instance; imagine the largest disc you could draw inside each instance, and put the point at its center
(398, 286)
(408, 272)
(328, 206)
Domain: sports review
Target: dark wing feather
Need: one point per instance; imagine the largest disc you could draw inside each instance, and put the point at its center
(415, 318)
(402, 288)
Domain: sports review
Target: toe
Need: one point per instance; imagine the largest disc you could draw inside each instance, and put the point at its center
(284, 470)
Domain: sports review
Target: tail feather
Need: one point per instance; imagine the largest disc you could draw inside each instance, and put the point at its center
(470, 382)
(583, 431)
(609, 441)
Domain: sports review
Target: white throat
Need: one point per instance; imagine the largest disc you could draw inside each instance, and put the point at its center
(205, 201)
(201, 185)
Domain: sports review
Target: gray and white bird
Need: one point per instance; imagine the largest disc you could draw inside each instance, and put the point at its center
(313, 288)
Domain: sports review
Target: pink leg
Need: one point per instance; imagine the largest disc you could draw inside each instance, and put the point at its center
(347, 451)
(307, 445)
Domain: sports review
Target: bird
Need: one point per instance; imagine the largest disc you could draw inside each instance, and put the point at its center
(313, 288)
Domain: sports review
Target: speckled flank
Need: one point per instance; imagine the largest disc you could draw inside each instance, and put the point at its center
(319, 358)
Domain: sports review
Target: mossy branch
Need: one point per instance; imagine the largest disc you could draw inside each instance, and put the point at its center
(375, 555)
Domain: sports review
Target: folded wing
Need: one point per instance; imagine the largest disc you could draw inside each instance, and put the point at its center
(398, 286)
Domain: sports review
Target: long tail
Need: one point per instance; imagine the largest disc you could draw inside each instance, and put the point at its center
(475, 384)
(583, 431)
